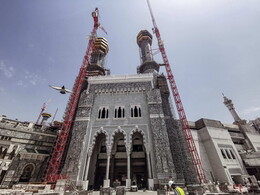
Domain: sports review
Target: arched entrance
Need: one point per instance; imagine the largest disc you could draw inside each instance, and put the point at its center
(138, 161)
(27, 173)
(97, 168)
(118, 169)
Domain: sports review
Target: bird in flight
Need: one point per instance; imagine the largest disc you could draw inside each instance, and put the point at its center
(62, 89)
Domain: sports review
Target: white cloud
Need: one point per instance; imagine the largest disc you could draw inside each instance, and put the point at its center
(21, 83)
(7, 71)
(251, 110)
(33, 78)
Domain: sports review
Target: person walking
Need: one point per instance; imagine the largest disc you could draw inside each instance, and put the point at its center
(177, 190)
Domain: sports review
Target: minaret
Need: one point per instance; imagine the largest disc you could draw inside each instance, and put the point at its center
(144, 41)
(97, 59)
(45, 117)
(244, 128)
(232, 110)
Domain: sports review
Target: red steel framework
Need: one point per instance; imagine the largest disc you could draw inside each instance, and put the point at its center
(185, 126)
(52, 174)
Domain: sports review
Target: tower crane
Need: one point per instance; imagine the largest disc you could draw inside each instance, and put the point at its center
(182, 116)
(42, 110)
(53, 169)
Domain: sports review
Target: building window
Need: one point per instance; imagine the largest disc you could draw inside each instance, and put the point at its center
(137, 145)
(223, 154)
(103, 113)
(228, 155)
(11, 155)
(27, 173)
(119, 112)
(136, 111)
(232, 154)
(138, 148)
(103, 148)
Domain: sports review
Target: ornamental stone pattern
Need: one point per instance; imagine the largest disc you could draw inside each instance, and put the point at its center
(16, 169)
(156, 125)
(78, 132)
(119, 87)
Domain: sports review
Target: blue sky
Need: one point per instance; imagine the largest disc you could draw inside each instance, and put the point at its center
(213, 47)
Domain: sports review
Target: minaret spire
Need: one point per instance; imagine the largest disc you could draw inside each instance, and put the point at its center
(231, 108)
(144, 41)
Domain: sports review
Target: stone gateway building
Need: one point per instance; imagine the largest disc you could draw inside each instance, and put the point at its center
(24, 150)
(124, 128)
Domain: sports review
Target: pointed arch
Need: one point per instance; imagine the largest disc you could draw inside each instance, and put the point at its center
(118, 130)
(27, 173)
(100, 131)
(136, 129)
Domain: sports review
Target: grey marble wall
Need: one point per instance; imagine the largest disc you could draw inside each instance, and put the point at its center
(78, 132)
(160, 131)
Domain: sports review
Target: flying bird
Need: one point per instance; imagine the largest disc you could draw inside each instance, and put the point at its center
(62, 89)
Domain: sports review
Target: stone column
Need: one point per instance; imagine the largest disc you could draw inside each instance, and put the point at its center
(128, 152)
(148, 165)
(107, 180)
(85, 179)
(150, 179)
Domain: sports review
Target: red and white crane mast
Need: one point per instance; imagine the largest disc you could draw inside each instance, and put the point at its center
(52, 174)
(184, 122)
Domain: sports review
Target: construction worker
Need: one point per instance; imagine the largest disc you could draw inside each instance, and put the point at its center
(177, 190)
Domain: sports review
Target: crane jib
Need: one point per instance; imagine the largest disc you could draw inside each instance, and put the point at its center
(185, 126)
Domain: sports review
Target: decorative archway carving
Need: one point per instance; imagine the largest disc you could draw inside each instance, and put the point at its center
(27, 173)
(118, 130)
(100, 131)
(137, 130)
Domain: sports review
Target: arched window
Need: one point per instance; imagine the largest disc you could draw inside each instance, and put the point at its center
(136, 111)
(119, 112)
(103, 113)
(99, 113)
(115, 112)
(27, 173)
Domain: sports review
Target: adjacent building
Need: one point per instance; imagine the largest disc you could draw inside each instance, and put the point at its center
(24, 150)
